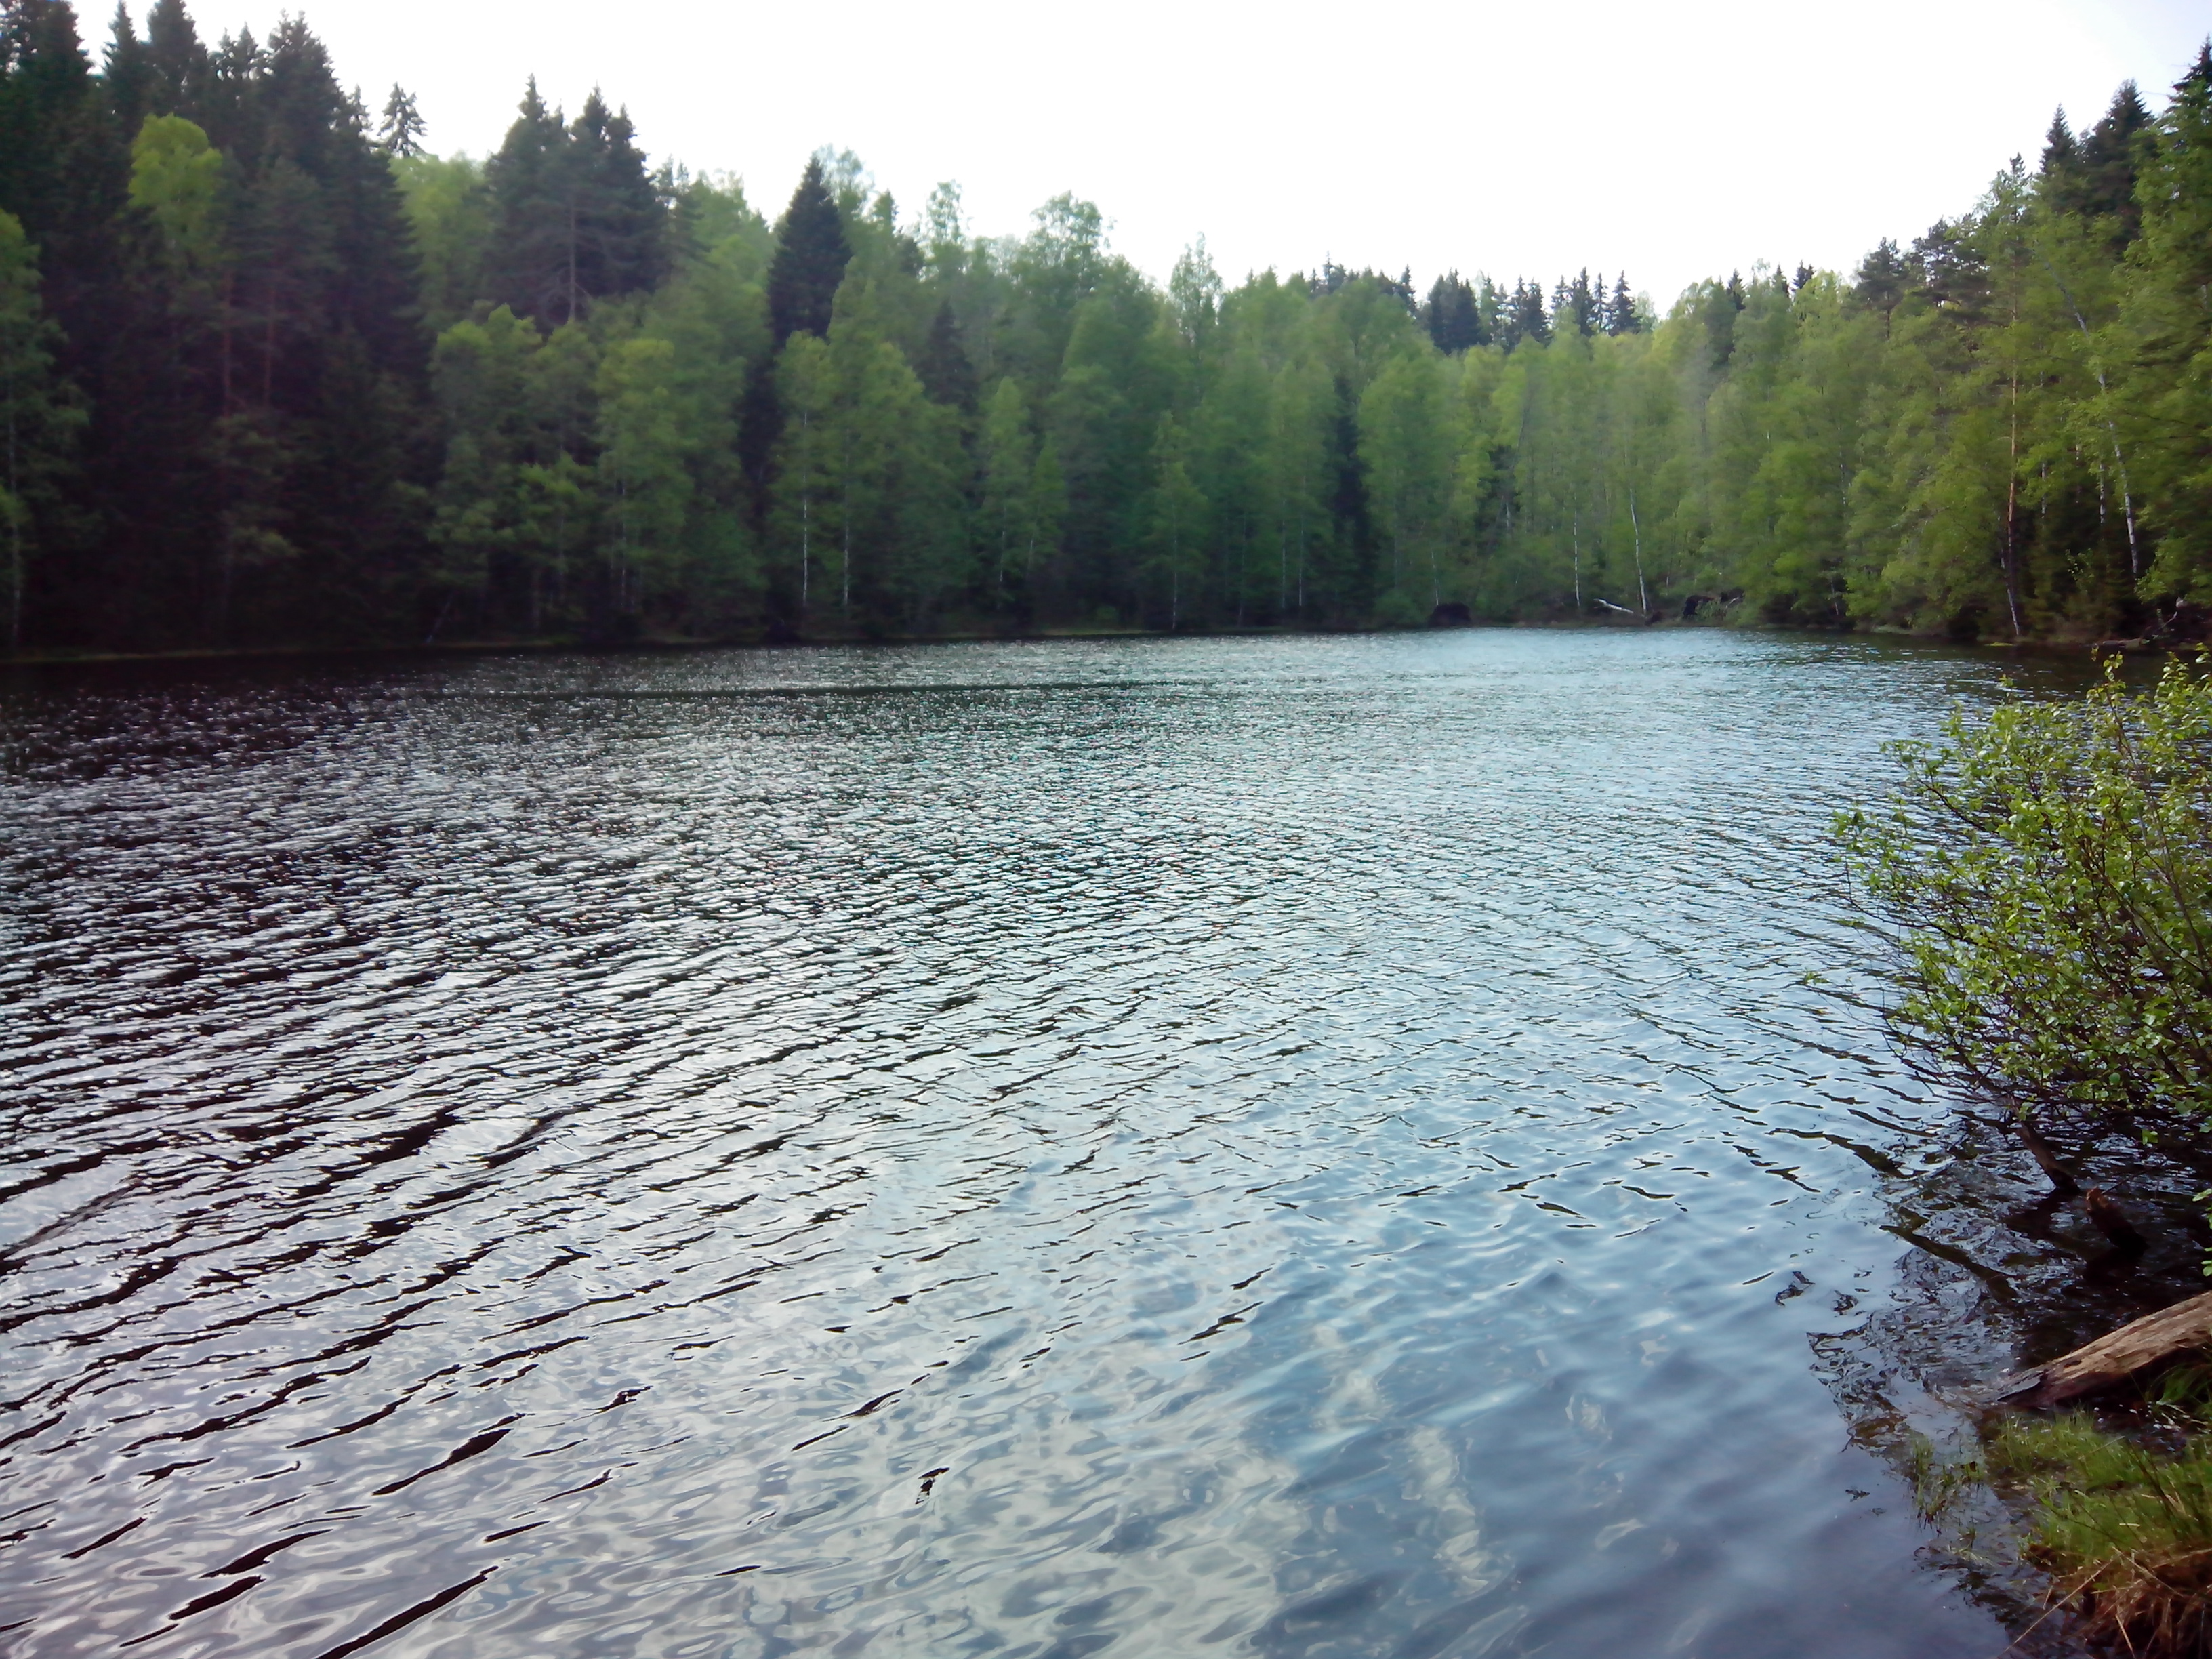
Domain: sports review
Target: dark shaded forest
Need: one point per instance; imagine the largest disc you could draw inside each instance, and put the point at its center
(271, 375)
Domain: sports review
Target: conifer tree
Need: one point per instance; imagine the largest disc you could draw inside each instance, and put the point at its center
(127, 73)
(621, 221)
(1880, 284)
(2061, 154)
(1621, 315)
(531, 263)
(1453, 316)
(178, 61)
(946, 373)
(1582, 305)
(401, 133)
(578, 218)
(1528, 319)
(2108, 164)
(811, 253)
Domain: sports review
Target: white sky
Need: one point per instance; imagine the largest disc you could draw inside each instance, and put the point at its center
(1679, 139)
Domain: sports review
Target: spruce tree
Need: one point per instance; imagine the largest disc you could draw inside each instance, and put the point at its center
(2108, 164)
(578, 217)
(2061, 154)
(179, 62)
(810, 257)
(532, 267)
(1530, 321)
(1582, 305)
(1621, 315)
(947, 376)
(620, 222)
(127, 74)
(1453, 316)
(1490, 310)
(401, 133)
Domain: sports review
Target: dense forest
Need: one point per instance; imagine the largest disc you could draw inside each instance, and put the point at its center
(268, 373)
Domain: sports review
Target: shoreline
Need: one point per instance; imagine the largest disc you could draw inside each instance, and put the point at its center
(670, 645)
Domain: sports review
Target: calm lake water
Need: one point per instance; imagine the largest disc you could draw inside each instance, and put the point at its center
(1317, 1147)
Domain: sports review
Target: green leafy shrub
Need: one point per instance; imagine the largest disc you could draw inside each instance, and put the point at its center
(2051, 865)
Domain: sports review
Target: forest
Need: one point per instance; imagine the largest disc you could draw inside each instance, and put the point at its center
(272, 375)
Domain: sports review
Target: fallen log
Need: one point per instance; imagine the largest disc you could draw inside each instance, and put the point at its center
(2112, 1359)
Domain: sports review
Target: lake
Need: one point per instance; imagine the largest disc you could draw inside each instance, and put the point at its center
(1313, 1146)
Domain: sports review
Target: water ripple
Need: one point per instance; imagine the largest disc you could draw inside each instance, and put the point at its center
(1289, 1147)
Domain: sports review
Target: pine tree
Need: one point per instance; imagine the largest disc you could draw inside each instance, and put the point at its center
(812, 252)
(1880, 284)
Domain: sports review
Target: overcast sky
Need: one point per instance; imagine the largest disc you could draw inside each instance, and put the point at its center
(1676, 140)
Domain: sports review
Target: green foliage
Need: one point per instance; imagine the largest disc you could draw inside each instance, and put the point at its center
(812, 252)
(343, 389)
(578, 222)
(450, 211)
(2124, 1528)
(176, 179)
(38, 420)
(2050, 867)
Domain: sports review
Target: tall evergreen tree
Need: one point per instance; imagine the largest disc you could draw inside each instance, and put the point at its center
(1528, 319)
(2108, 164)
(1880, 283)
(947, 375)
(1621, 316)
(1582, 304)
(2061, 154)
(1453, 316)
(579, 220)
(127, 74)
(179, 62)
(812, 252)
(401, 133)
(531, 265)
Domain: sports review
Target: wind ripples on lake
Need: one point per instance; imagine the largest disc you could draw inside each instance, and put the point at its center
(1299, 1147)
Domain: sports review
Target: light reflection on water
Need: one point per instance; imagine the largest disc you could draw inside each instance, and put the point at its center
(1308, 1147)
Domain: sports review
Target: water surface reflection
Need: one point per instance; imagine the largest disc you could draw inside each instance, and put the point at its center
(1305, 1147)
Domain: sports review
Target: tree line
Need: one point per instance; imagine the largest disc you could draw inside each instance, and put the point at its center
(268, 373)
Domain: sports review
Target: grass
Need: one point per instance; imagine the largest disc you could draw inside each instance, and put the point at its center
(2124, 1528)
(2119, 1516)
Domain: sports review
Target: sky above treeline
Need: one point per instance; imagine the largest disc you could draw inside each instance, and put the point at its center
(1676, 140)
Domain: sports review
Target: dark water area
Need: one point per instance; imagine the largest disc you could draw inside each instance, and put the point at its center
(1316, 1147)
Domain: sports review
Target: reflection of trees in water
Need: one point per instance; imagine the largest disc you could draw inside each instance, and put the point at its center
(2003, 1275)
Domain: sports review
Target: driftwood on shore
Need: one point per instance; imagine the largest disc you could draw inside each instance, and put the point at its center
(2135, 1347)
